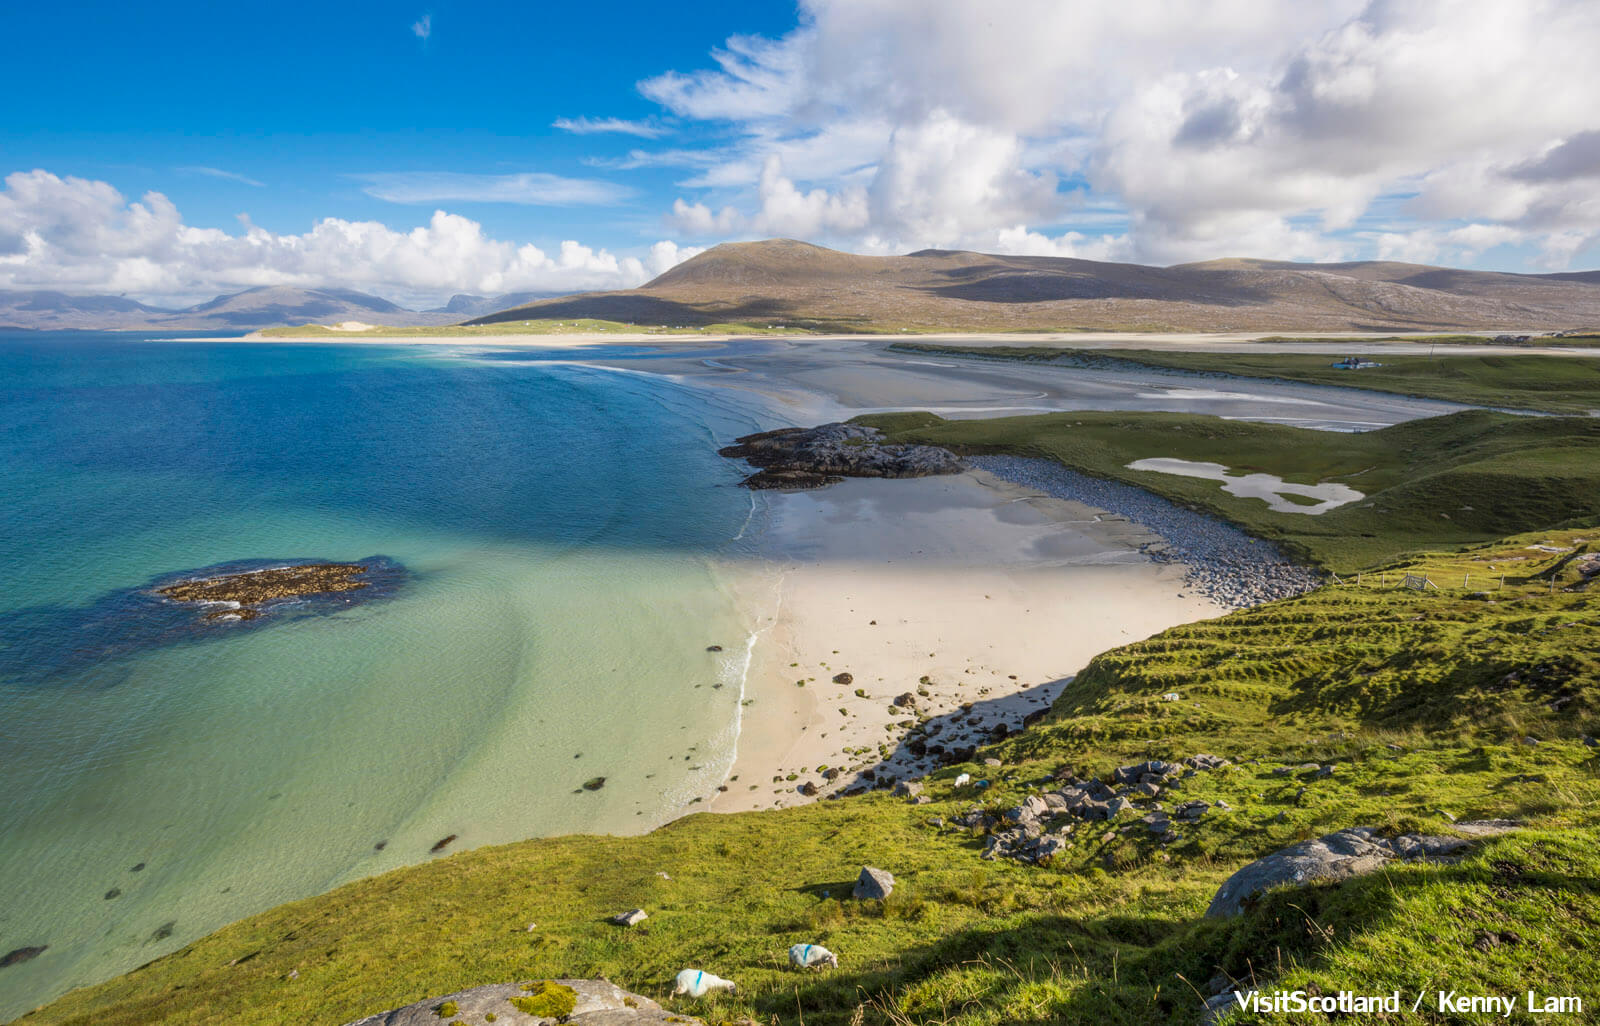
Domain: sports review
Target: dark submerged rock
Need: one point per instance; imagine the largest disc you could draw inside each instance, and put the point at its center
(17, 956)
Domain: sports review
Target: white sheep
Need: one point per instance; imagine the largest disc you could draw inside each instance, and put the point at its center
(812, 956)
(697, 983)
(962, 780)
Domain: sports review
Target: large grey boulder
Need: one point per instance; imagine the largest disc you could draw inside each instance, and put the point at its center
(873, 883)
(599, 1003)
(1340, 856)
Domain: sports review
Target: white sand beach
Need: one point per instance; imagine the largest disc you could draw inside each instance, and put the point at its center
(955, 590)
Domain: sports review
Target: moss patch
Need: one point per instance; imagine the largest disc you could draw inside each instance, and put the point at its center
(546, 998)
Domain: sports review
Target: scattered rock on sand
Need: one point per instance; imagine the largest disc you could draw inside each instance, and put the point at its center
(844, 678)
(873, 883)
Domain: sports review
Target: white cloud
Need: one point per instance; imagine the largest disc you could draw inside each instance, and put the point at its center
(529, 188)
(422, 28)
(595, 126)
(1218, 127)
(217, 172)
(784, 210)
(82, 235)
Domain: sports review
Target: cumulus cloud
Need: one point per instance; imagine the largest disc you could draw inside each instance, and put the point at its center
(621, 126)
(422, 28)
(84, 235)
(529, 188)
(1219, 127)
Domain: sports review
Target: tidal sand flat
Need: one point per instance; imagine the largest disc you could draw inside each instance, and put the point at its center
(822, 379)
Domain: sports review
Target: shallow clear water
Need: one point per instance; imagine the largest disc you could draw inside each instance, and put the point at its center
(557, 525)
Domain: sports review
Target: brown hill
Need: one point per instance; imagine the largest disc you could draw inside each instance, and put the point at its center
(801, 285)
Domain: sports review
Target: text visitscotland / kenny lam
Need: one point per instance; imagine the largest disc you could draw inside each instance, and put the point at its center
(835, 513)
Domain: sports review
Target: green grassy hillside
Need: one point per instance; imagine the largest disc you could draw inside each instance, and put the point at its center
(1423, 702)
(1550, 384)
(1445, 481)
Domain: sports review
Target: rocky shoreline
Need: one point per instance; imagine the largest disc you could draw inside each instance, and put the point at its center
(1228, 566)
(820, 456)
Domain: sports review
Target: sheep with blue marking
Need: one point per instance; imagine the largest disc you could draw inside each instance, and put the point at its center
(698, 983)
(812, 956)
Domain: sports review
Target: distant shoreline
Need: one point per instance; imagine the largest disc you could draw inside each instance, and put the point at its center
(1221, 342)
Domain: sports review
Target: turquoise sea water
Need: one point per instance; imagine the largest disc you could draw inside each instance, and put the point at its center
(557, 525)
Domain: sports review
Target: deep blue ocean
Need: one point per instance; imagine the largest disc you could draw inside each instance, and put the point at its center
(554, 532)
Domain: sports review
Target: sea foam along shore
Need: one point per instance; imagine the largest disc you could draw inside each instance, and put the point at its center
(975, 597)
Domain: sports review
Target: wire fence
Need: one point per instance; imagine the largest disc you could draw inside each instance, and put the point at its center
(1561, 574)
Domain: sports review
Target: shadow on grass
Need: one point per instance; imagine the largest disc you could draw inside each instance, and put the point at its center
(1127, 969)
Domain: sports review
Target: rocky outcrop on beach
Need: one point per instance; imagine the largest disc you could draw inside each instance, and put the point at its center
(820, 456)
(541, 1002)
(241, 595)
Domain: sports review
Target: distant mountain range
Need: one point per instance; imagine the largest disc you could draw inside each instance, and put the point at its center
(794, 283)
(241, 311)
(781, 281)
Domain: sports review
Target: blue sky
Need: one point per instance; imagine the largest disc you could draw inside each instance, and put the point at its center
(304, 99)
(179, 150)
